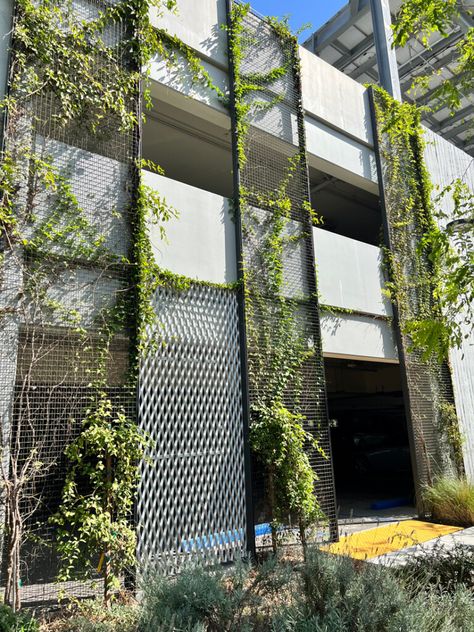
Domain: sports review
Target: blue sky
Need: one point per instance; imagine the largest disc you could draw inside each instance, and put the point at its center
(300, 11)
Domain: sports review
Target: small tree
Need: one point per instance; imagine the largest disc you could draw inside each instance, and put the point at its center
(95, 533)
(279, 438)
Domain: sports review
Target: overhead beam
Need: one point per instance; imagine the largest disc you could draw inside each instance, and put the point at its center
(451, 120)
(459, 129)
(425, 98)
(432, 66)
(365, 67)
(358, 50)
(343, 20)
(436, 49)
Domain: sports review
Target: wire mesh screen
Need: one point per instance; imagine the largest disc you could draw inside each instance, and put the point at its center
(191, 501)
(428, 381)
(284, 317)
(61, 284)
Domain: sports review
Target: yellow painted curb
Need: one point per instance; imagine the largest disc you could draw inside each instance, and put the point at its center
(365, 545)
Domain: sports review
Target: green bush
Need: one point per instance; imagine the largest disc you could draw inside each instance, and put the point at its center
(16, 622)
(233, 599)
(451, 500)
(340, 596)
(193, 600)
(327, 593)
(443, 568)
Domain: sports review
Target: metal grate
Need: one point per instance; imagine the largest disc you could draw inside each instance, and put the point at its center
(191, 500)
(275, 148)
(428, 383)
(66, 283)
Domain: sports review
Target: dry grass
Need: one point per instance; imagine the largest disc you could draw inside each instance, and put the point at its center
(451, 501)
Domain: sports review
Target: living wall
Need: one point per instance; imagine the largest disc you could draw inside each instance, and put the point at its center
(288, 418)
(78, 279)
(76, 283)
(415, 258)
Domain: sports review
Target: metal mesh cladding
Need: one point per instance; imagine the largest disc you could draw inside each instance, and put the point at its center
(57, 294)
(274, 164)
(191, 501)
(428, 381)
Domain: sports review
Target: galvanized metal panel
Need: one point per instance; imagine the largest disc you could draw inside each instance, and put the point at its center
(191, 499)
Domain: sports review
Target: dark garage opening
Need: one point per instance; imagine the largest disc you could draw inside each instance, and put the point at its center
(371, 454)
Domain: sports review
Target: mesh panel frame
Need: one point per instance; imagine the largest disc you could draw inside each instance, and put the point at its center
(276, 139)
(427, 382)
(50, 292)
(191, 500)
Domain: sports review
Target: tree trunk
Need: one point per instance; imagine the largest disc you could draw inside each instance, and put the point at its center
(304, 542)
(272, 498)
(108, 474)
(15, 532)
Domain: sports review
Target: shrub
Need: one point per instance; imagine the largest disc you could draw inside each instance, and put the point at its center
(16, 621)
(196, 600)
(235, 599)
(434, 611)
(443, 568)
(341, 596)
(339, 592)
(451, 500)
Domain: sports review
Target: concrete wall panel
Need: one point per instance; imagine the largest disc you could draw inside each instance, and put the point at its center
(335, 98)
(358, 337)
(350, 274)
(199, 25)
(341, 156)
(200, 243)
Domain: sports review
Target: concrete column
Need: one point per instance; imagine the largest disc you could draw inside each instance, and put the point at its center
(386, 58)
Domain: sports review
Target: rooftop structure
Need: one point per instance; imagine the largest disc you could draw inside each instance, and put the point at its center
(346, 42)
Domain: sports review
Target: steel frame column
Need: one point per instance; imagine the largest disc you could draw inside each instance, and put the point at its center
(250, 520)
(386, 57)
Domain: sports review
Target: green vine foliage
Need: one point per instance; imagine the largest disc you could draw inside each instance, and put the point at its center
(69, 78)
(445, 316)
(420, 264)
(94, 520)
(278, 349)
(422, 19)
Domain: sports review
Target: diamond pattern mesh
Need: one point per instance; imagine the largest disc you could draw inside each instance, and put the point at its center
(275, 160)
(191, 501)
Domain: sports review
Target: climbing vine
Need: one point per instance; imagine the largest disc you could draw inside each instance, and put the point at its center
(419, 257)
(79, 79)
(278, 348)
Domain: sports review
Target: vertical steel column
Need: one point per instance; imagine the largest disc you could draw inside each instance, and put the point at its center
(386, 57)
(241, 298)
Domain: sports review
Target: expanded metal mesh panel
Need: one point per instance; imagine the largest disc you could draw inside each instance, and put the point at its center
(428, 382)
(60, 290)
(275, 161)
(191, 501)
